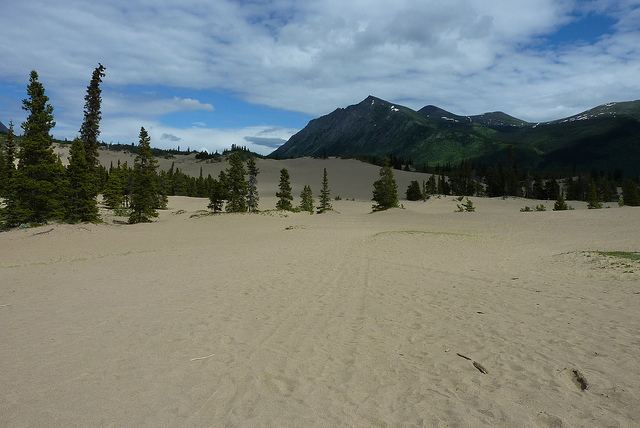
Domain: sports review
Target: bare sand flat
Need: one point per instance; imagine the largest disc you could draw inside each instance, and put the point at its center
(342, 319)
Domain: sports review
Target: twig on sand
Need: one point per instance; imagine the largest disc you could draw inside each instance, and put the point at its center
(202, 358)
(480, 368)
(463, 356)
(42, 233)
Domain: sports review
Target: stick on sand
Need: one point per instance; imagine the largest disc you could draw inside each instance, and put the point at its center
(202, 358)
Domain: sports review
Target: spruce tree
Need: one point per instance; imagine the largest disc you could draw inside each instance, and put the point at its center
(236, 184)
(630, 193)
(413, 191)
(80, 203)
(113, 193)
(592, 197)
(217, 196)
(325, 194)
(144, 192)
(306, 199)
(90, 129)
(284, 194)
(560, 204)
(385, 190)
(8, 158)
(38, 183)
(252, 194)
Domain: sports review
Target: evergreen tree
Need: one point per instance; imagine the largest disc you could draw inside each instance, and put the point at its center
(306, 200)
(284, 194)
(385, 190)
(560, 204)
(80, 203)
(113, 193)
(413, 191)
(551, 189)
(630, 193)
(325, 195)
(252, 195)
(90, 129)
(432, 187)
(8, 158)
(236, 184)
(592, 197)
(144, 191)
(38, 183)
(217, 196)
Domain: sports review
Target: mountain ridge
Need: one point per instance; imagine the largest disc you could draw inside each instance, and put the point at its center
(604, 137)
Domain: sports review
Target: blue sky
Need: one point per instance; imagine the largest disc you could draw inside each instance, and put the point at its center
(210, 74)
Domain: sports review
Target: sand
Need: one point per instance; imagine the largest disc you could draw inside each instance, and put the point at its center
(343, 319)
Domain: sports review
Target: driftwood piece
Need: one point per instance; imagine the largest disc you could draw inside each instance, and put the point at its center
(42, 233)
(480, 367)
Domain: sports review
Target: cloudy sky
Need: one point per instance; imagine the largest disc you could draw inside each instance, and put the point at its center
(209, 73)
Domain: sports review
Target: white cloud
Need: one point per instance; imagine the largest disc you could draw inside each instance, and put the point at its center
(468, 56)
(210, 139)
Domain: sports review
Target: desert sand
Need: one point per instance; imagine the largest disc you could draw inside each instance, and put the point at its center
(342, 319)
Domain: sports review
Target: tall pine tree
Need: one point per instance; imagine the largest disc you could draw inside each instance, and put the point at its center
(236, 184)
(284, 194)
(252, 191)
(8, 158)
(385, 190)
(325, 194)
(630, 193)
(90, 129)
(80, 203)
(306, 199)
(38, 183)
(144, 192)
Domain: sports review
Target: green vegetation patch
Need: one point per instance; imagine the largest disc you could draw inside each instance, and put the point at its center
(628, 255)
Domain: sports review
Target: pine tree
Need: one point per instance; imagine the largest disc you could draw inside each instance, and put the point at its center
(114, 189)
(217, 196)
(306, 199)
(236, 184)
(560, 204)
(80, 203)
(592, 197)
(38, 183)
(90, 129)
(8, 159)
(144, 192)
(630, 193)
(413, 192)
(252, 195)
(284, 194)
(325, 195)
(385, 190)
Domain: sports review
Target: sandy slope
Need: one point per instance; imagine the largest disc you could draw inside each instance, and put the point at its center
(348, 178)
(324, 320)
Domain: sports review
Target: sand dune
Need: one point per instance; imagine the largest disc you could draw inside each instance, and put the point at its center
(348, 178)
(343, 319)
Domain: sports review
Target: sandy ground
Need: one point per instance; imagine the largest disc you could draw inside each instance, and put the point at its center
(342, 319)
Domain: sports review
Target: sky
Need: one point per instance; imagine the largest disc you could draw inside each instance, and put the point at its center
(206, 74)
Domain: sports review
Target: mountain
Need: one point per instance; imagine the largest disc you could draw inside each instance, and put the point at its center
(3, 129)
(606, 137)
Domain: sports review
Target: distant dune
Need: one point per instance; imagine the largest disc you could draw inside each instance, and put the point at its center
(347, 178)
